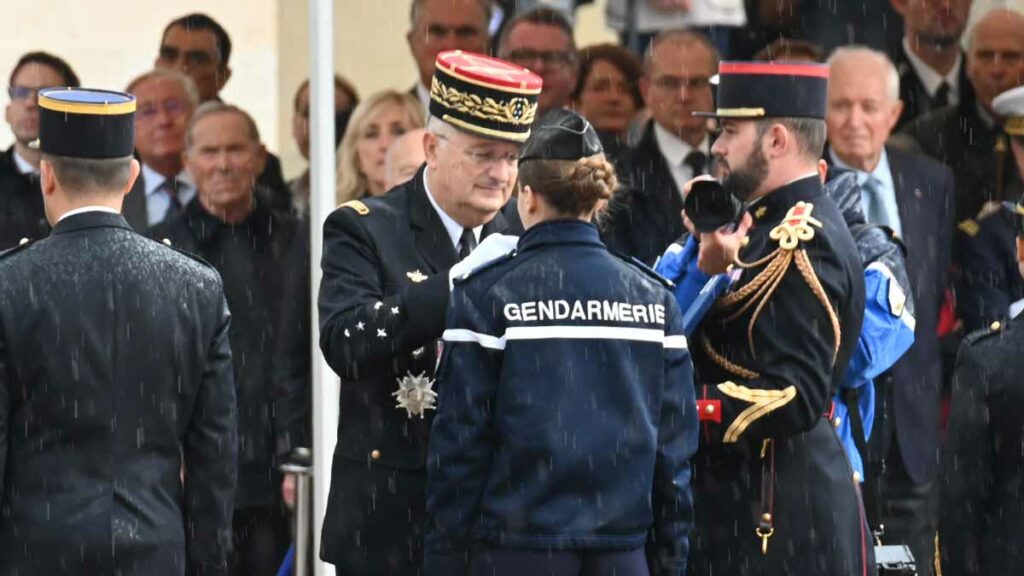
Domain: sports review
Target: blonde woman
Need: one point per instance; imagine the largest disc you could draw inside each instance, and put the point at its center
(375, 122)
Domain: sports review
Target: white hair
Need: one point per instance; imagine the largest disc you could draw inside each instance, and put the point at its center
(892, 76)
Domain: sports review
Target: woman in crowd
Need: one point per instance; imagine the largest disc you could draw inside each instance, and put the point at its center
(608, 93)
(375, 122)
(566, 418)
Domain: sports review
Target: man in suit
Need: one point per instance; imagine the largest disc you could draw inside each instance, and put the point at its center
(542, 41)
(383, 299)
(911, 195)
(117, 404)
(966, 137)
(646, 216)
(21, 204)
(166, 101)
(198, 46)
(439, 25)
(930, 61)
(231, 225)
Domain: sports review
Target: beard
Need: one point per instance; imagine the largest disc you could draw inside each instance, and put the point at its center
(939, 41)
(744, 181)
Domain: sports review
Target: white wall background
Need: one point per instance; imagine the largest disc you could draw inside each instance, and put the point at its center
(109, 42)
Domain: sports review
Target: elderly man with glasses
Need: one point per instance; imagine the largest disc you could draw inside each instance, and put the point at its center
(387, 267)
(166, 101)
(21, 202)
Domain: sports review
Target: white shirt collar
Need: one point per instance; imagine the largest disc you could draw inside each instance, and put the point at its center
(674, 148)
(453, 228)
(881, 173)
(23, 165)
(423, 93)
(84, 209)
(154, 179)
(932, 79)
(1016, 308)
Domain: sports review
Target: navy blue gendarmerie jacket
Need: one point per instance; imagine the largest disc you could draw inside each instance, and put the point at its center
(566, 418)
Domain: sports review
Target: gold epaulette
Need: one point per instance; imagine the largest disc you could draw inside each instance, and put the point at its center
(356, 205)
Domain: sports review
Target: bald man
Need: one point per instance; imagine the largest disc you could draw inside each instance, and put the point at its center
(404, 158)
(911, 195)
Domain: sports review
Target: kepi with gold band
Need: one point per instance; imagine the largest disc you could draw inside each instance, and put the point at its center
(86, 123)
(770, 90)
(484, 96)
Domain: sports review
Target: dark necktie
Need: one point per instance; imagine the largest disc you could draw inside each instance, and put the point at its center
(697, 161)
(170, 188)
(941, 97)
(467, 242)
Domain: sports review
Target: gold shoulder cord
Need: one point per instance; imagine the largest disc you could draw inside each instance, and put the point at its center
(798, 226)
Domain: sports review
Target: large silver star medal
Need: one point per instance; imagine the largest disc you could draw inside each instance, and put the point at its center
(415, 394)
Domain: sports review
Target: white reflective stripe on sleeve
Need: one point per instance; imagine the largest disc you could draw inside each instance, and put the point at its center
(906, 317)
(677, 342)
(585, 333)
(463, 335)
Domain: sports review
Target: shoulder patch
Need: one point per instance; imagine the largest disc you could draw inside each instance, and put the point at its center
(356, 205)
(969, 227)
(979, 335)
(484, 266)
(645, 269)
(24, 243)
(798, 226)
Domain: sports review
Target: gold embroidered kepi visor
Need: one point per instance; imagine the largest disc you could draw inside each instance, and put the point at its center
(484, 96)
(750, 90)
(1010, 105)
(84, 123)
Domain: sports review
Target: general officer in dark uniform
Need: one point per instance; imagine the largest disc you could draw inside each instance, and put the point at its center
(566, 420)
(990, 283)
(115, 374)
(983, 464)
(774, 491)
(384, 296)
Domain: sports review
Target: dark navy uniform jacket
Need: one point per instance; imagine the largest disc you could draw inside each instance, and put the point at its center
(983, 464)
(115, 371)
(566, 417)
(769, 357)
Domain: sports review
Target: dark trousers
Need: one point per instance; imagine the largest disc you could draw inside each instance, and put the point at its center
(510, 562)
(907, 509)
(261, 538)
(909, 512)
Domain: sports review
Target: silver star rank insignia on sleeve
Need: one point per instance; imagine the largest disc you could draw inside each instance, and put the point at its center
(394, 309)
(416, 276)
(378, 305)
(360, 326)
(415, 394)
(381, 333)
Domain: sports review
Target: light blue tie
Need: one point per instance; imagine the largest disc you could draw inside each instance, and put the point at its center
(875, 208)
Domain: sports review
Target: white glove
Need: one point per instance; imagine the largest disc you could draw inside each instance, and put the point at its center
(493, 247)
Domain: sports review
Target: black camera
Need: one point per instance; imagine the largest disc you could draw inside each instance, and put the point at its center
(710, 206)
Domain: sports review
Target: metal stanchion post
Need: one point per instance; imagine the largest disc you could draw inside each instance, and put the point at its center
(301, 466)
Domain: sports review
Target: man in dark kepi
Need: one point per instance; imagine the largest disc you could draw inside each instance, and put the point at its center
(115, 373)
(773, 490)
(386, 268)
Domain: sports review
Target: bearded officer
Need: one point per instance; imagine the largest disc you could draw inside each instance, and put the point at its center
(773, 490)
(384, 296)
(115, 373)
